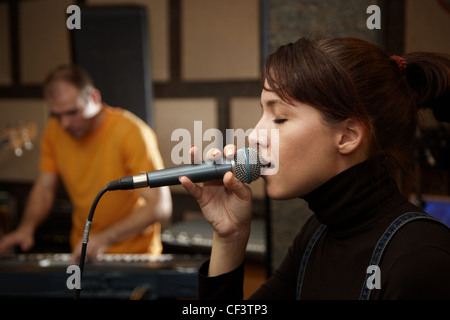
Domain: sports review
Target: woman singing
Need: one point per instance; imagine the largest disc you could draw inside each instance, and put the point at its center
(346, 114)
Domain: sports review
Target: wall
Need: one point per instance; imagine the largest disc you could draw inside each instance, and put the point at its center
(212, 48)
(426, 26)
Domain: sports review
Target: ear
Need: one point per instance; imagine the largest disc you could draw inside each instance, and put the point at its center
(351, 136)
(96, 96)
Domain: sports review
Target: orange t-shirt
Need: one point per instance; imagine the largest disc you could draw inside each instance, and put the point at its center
(123, 145)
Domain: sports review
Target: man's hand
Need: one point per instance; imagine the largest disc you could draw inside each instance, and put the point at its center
(97, 245)
(24, 240)
(37, 207)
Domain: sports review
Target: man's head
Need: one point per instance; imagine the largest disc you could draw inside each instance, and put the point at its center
(73, 99)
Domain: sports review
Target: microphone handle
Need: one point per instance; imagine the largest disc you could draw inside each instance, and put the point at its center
(195, 172)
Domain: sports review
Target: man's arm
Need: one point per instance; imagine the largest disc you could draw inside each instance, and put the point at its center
(157, 208)
(38, 205)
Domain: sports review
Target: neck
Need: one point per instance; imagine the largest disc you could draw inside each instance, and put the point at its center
(351, 199)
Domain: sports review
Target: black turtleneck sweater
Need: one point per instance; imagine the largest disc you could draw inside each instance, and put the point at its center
(357, 208)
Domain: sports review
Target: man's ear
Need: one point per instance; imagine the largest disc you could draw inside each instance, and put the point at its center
(96, 96)
(351, 136)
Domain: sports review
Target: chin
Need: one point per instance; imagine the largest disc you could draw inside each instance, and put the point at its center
(277, 192)
(77, 134)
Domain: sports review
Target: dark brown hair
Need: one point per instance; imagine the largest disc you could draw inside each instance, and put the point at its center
(351, 78)
(72, 74)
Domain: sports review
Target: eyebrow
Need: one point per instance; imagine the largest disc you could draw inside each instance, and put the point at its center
(272, 102)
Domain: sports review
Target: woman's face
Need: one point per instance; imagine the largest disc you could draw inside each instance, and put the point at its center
(304, 154)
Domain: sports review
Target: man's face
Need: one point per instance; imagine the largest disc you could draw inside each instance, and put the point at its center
(74, 111)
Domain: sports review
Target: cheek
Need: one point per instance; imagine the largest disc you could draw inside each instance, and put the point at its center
(302, 145)
(81, 122)
(305, 162)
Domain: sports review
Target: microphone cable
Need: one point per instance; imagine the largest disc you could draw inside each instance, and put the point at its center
(247, 169)
(87, 229)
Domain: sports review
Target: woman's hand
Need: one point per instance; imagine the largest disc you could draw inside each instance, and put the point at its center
(227, 206)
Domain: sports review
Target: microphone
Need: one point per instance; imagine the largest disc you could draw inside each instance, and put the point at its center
(246, 166)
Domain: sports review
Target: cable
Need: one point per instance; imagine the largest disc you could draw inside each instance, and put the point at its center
(87, 228)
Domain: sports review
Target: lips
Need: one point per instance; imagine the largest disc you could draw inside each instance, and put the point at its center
(264, 162)
(268, 163)
(268, 168)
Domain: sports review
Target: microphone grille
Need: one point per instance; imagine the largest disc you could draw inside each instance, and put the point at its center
(247, 165)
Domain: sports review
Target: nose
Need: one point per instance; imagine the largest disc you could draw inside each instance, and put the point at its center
(259, 137)
(253, 138)
(65, 121)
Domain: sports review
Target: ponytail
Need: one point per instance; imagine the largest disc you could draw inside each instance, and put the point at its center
(351, 78)
(428, 76)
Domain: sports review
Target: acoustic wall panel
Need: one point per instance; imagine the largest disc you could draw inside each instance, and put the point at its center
(112, 45)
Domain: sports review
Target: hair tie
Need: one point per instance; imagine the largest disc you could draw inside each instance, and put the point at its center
(400, 61)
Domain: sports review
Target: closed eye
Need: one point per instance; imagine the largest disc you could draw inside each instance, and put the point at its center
(279, 121)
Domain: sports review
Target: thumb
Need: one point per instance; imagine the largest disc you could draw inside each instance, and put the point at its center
(235, 185)
(26, 245)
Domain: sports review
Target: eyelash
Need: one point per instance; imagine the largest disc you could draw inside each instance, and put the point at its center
(279, 121)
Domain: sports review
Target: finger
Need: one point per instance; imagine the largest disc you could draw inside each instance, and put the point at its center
(10, 241)
(91, 253)
(213, 154)
(27, 244)
(240, 189)
(196, 157)
(193, 189)
(76, 253)
(5, 244)
(94, 254)
(229, 151)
